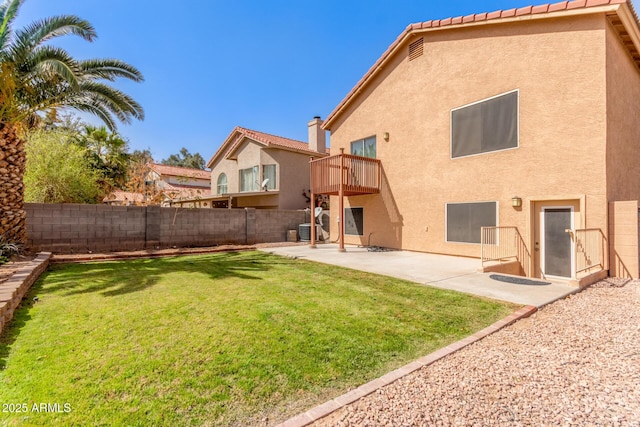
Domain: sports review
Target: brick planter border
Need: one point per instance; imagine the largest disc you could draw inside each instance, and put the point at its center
(16, 287)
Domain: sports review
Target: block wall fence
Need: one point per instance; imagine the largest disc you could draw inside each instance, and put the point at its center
(69, 228)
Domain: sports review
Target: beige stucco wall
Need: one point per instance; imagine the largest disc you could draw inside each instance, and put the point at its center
(623, 239)
(292, 175)
(557, 65)
(623, 132)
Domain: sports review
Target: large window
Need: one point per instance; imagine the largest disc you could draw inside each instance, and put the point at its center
(222, 184)
(269, 172)
(249, 179)
(485, 126)
(465, 219)
(364, 147)
(354, 221)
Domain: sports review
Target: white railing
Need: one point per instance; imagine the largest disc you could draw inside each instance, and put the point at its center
(503, 244)
(591, 250)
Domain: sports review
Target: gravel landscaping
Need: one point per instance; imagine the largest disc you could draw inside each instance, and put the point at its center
(574, 362)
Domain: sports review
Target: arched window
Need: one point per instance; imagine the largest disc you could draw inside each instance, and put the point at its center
(222, 184)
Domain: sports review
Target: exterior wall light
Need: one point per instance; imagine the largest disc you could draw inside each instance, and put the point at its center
(516, 201)
(385, 136)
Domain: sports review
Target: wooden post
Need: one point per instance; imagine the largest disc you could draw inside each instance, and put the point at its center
(341, 204)
(312, 204)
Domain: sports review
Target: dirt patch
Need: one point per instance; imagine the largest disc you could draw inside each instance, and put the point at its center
(153, 253)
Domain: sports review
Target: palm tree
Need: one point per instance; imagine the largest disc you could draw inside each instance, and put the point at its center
(35, 78)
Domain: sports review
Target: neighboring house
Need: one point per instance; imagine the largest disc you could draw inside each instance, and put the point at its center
(177, 183)
(247, 159)
(525, 119)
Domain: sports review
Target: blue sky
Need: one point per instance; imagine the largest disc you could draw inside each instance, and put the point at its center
(268, 65)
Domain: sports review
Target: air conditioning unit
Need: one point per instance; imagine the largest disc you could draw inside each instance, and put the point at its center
(304, 231)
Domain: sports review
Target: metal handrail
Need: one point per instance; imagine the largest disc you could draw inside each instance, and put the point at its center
(503, 244)
(591, 250)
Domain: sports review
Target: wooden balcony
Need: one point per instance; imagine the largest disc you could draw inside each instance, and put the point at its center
(355, 174)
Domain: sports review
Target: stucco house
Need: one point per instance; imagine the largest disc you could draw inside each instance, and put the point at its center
(175, 182)
(521, 121)
(163, 184)
(254, 169)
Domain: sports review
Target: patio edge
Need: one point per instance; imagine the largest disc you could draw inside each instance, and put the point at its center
(316, 413)
(16, 287)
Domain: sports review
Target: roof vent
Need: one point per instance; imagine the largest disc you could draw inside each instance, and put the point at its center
(416, 49)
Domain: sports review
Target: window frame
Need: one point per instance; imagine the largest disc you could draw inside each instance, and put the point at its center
(253, 187)
(517, 92)
(362, 140)
(446, 220)
(351, 208)
(272, 184)
(226, 183)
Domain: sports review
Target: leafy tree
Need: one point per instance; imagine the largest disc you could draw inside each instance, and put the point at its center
(58, 170)
(144, 156)
(185, 160)
(138, 178)
(108, 153)
(54, 119)
(36, 77)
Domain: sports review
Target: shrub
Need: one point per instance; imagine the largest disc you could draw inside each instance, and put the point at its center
(8, 249)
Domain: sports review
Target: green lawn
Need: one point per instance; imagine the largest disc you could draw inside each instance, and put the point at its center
(219, 339)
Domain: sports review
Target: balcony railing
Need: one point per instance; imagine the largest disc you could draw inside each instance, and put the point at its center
(504, 244)
(356, 174)
(591, 251)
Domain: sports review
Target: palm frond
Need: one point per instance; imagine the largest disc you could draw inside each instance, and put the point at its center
(44, 30)
(52, 61)
(90, 106)
(119, 103)
(35, 76)
(8, 12)
(110, 69)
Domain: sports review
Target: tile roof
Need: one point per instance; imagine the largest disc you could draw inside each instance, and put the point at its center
(274, 140)
(477, 18)
(239, 133)
(180, 171)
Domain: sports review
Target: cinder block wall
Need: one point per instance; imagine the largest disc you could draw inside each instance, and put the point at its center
(68, 228)
(272, 225)
(79, 228)
(201, 227)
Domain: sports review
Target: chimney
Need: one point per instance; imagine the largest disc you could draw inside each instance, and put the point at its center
(317, 135)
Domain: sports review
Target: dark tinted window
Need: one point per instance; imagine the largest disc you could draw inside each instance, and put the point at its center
(354, 221)
(486, 126)
(465, 219)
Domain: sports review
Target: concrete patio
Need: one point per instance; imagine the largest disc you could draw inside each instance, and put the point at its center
(441, 271)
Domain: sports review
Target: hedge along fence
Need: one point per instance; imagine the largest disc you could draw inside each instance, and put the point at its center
(68, 228)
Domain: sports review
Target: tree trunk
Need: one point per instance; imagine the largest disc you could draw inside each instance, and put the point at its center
(12, 160)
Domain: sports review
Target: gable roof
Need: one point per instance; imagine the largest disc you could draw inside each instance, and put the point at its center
(180, 171)
(239, 134)
(621, 15)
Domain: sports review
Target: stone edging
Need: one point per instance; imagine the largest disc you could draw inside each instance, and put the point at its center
(16, 287)
(321, 411)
